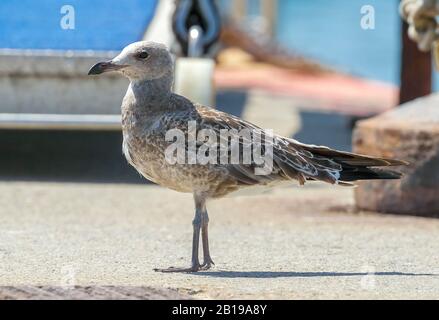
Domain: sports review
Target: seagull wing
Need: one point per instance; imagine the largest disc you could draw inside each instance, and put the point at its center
(293, 160)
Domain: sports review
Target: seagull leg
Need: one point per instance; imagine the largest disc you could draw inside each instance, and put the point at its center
(207, 262)
(197, 223)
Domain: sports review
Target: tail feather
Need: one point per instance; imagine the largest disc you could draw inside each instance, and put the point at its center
(353, 159)
(356, 174)
(354, 167)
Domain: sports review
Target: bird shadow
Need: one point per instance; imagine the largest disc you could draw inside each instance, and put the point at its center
(288, 274)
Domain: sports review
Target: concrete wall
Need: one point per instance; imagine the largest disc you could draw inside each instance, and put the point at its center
(56, 82)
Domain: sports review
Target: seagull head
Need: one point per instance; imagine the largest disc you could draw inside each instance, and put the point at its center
(139, 61)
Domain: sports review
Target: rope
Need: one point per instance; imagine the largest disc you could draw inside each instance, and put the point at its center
(421, 17)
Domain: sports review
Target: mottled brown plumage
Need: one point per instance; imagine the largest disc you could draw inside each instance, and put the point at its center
(150, 110)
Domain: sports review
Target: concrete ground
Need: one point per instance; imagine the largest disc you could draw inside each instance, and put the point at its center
(288, 243)
(77, 222)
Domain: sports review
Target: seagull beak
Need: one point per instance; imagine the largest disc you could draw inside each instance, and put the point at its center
(102, 67)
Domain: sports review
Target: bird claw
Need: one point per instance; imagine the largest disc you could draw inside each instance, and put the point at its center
(208, 263)
(194, 268)
(206, 266)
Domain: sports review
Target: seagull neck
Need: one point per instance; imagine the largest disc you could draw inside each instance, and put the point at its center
(153, 93)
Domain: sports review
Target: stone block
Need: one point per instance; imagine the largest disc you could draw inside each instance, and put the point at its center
(411, 133)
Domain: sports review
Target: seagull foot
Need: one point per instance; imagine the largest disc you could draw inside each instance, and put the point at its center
(194, 268)
(207, 264)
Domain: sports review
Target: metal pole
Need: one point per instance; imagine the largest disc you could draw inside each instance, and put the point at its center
(416, 70)
(239, 10)
(269, 12)
(195, 45)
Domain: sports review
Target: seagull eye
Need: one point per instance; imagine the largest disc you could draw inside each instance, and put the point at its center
(143, 55)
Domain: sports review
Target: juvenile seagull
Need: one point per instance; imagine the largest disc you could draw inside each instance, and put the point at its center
(150, 109)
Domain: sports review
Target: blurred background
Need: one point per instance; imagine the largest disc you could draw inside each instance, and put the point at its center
(347, 74)
(307, 69)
